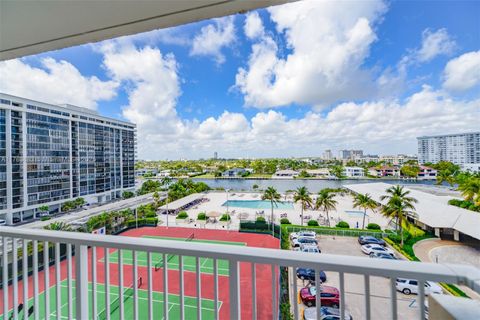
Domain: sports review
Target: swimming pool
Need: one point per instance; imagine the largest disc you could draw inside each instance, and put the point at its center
(257, 204)
(355, 213)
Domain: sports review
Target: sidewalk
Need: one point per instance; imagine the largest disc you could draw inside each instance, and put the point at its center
(423, 249)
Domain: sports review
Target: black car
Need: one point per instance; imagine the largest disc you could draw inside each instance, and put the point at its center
(370, 240)
(309, 274)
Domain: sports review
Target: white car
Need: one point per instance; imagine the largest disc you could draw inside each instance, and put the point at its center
(3, 222)
(306, 234)
(311, 248)
(408, 286)
(303, 240)
(373, 248)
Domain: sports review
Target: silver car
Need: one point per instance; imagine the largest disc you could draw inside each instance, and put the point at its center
(326, 313)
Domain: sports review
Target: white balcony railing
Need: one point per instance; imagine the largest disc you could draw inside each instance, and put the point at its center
(80, 274)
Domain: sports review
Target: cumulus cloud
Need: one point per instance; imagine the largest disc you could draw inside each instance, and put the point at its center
(253, 26)
(213, 37)
(463, 72)
(56, 82)
(329, 42)
(435, 43)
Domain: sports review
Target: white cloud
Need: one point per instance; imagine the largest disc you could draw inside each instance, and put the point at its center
(56, 82)
(212, 38)
(463, 72)
(253, 26)
(329, 41)
(434, 44)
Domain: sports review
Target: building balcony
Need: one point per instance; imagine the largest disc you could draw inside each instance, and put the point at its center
(243, 283)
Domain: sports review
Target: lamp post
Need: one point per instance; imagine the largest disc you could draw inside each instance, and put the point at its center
(227, 190)
(136, 218)
(167, 209)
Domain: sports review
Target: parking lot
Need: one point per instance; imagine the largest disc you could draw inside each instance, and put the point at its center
(355, 285)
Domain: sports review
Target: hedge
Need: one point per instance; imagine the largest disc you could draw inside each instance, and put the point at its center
(373, 226)
(313, 223)
(343, 225)
(182, 215)
(202, 216)
(142, 222)
(225, 217)
(338, 231)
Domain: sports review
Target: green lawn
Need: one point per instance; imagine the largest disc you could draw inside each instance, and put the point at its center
(190, 304)
(189, 263)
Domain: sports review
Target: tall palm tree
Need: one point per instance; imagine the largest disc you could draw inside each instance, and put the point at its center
(273, 196)
(166, 181)
(326, 202)
(447, 176)
(301, 195)
(399, 206)
(365, 202)
(470, 189)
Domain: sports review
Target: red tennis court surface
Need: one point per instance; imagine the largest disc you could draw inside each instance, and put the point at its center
(263, 273)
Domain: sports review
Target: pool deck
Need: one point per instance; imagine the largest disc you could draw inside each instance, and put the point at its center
(217, 199)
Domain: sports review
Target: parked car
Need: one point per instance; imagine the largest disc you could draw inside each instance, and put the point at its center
(303, 240)
(16, 220)
(43, 214)
(370, 240)
(329, 297)
(308, 234)
(408, 286)
(382, 255)
(309, 274)
(3, 222)
(372, 248)
(311, 248)
(326, 313)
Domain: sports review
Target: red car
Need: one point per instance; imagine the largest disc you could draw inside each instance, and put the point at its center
(329, 296)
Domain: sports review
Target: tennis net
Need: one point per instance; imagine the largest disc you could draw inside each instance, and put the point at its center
(115, 304)
(160, 263)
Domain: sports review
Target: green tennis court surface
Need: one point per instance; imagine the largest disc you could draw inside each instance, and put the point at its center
(190, 303)
(189, 263)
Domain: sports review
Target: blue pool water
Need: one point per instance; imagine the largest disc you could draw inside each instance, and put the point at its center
(355, 213)
(257, 204)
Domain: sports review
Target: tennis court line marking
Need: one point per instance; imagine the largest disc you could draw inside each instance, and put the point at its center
(128, 259)
(233, 243)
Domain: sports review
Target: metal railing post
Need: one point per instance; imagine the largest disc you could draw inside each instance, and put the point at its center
(81, 282)
(234, 289)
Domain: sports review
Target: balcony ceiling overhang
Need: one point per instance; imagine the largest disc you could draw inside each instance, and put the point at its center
(30, 27)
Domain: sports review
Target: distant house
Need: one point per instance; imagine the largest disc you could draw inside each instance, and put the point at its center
(384, 171)
(353, 172)
(427, 173)
(286, 174)
(319, 173)
(146, 171)
(235, 172)
(164, 173)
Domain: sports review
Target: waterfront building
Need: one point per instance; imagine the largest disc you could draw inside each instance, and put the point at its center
(461, 149)
(397, 160)
(50, 154)
(384, 171)
(286, 174)
(427, 173)
(236, 172)
(353, 172)
(319, 173)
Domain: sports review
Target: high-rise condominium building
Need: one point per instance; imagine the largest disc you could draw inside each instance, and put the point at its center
(327, 155)
(50, 154)
(462, 149)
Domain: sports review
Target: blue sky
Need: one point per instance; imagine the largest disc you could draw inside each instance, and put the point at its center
(291, 80)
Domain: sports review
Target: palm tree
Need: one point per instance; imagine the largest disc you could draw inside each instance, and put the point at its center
(273, 196)
(166, 181)
(58, 226)
(326, 202)
(302, 195)
(156, 200)
(447, 176)
(399, 206)
(365, 202)
(470, 189)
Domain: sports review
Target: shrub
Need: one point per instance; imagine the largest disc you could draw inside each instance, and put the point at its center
(182, 215)
(45, 218)
(202, 216)
(261, 219)
(128, 194)
(373, 226)
(343, 224)
(312, 223)
(225, 217)
(285, 221)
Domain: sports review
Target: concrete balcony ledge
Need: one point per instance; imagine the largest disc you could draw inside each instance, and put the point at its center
(446, 307)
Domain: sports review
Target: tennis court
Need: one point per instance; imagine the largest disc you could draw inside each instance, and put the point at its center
(189, 263)
(190, 303)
